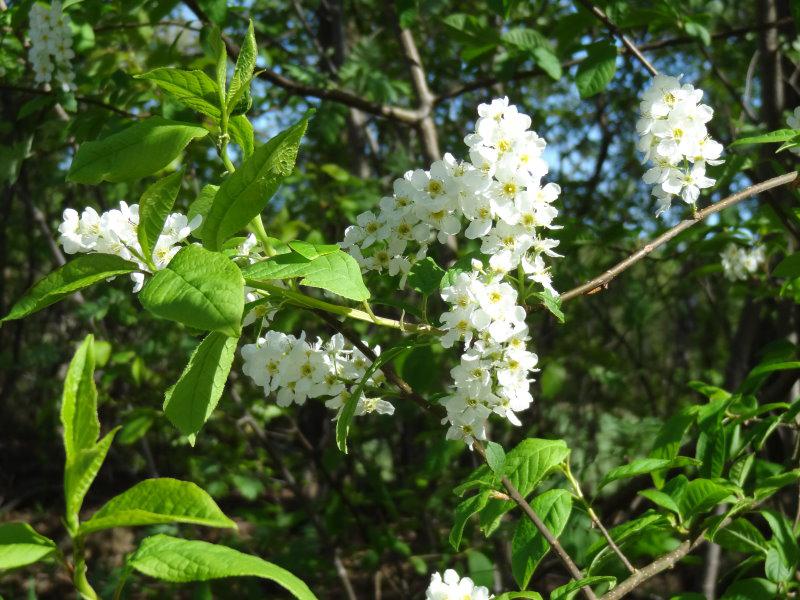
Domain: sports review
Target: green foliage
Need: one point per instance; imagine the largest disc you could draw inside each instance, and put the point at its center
(244, 194)
(199, 288)
(155, 501)
(20, 545)
(194, 89)
(137, 151)
(597, 70)
(189, 403)
(173, 559)
(529, 547)
(155, 206)
(80, 272)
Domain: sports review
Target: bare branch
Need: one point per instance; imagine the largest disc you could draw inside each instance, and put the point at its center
(601, 281)
(598, 12)
(426, 126)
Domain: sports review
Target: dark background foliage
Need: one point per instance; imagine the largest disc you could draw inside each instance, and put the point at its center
(378, 518)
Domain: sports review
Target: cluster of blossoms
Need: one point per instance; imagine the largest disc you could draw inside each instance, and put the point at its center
(296, 370)
(493, 375)
(452, 587)
(675, 140)
(115, 232)
(498, 190)
(51, 45)
(739, 263)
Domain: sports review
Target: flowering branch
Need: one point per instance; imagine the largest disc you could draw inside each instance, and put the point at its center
(598, 12)
(601, 281)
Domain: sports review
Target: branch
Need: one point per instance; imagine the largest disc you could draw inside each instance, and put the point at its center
(427, 128)
(601, 281)
(520, 501)
(82, 99)
(487, 82)
(598, 12)
(396, 113)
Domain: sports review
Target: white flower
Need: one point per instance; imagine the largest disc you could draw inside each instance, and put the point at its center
(673, 135)
(51, 45)
(739, 263)
(452, 587)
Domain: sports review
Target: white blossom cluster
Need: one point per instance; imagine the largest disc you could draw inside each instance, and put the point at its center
(452, 587)
(51, 45)
(296, 370)
(493, 375)
(675, 140)
(115, 232)
(739, 263)
(793, 121)
(498, 190)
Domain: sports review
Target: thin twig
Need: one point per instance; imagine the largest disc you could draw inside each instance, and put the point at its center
(598, 12)
(81, 99)
(595, 519)
(601, 281)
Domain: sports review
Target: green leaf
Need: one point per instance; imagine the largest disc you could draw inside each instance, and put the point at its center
(552, 303)
(140, 150)
(425, 276)
(529, 547)
(177, 560)
(463, 512)
(79, 402)
(570, 590)
(526, 465)
(495, 457)
(661, 499)
(81, 272)
(311, 251)
(701, 495)
(21, 545)
(339, 273)
(768, 486)
(281, 266)
(193, 89)
(597, 70)
(784, 553)
(155, 501)
(643, 466)
(220, 57)
(201, 205)
(624, 532)
(245, 65)
(241, 131)
(773, 137)
(524, 38)
(189, 403)
(520, 595)
(548, 62)
(750, 589)
(199, 288)
(345, 417)
(80, 473)
(244, 193)
(154, 207)
(756, 378)
(741, 536)
(670, 437)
